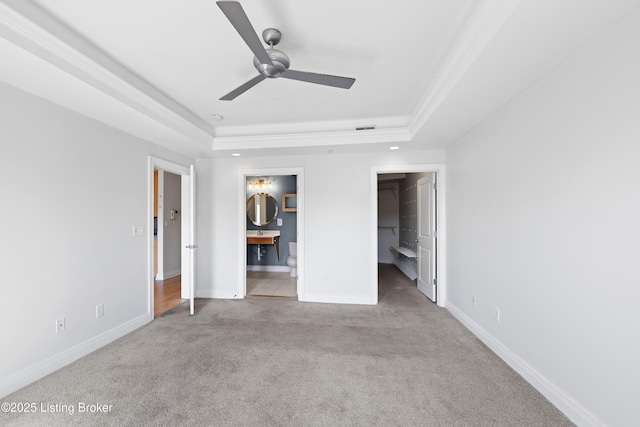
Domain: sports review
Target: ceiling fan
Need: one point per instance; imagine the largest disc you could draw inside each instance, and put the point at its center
(270, 62)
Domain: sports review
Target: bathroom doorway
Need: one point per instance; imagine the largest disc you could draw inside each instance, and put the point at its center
(271, 220)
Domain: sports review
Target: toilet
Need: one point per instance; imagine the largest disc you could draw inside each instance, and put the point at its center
(292, 261)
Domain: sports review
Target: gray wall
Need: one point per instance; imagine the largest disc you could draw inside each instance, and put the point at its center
(281, 184)
(67, 240)
(388, 216)
(543, 208)
(172, 229)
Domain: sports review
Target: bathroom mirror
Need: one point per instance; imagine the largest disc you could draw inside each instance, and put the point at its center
(262, 209)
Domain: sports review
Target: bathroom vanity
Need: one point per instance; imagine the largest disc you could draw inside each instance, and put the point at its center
(264, 237)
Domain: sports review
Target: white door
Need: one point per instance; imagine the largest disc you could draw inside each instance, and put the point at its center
(427, 236)
(189, 236)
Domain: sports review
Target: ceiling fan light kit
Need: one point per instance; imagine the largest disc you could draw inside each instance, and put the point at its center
(270, 63)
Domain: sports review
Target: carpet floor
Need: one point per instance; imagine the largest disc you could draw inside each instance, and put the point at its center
(278, 362)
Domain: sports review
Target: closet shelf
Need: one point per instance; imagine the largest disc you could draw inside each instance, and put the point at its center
(388, 227)
(407, 262)
(393, 190)
(405, 251)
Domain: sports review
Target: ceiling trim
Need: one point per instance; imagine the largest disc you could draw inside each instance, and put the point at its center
(311, 139)
(487, 19)
(389, 122)
(38, 32)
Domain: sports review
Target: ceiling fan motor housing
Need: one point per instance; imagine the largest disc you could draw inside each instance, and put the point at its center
(271, 36)
(280, 64)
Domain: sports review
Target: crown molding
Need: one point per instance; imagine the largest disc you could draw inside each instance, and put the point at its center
(314, 139)
(486, 20)
(390, 122)
(41, 34)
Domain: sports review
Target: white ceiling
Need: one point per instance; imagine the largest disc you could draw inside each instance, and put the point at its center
(426, 71)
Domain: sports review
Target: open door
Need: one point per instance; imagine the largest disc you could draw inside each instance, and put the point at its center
(427, 236)
(189, 236)
(192, 237)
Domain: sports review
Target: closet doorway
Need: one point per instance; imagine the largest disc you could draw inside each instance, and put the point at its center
(408, 227)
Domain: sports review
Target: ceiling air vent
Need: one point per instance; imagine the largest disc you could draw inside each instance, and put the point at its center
(366, 128)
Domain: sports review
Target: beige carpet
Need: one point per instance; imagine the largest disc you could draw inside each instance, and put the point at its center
(277, 362)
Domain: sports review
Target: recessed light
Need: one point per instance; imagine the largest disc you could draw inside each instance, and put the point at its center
(235, 154)
(395, 147)
(216, 117)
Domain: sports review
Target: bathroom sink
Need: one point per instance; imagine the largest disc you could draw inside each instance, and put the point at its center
(264, 237)
(263, 233)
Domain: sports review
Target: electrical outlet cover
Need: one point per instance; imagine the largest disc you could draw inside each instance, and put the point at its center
(60, 325)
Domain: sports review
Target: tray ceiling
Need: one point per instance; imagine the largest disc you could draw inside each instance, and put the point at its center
(426, 71)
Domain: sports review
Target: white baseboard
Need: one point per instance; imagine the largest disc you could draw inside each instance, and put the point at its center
(335, 299)
(270, 268)
(168, 275)
(52, 364)
(173, 273)
(557, 397)
(212, 293)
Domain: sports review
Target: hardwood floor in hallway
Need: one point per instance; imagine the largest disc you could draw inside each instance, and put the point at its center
(166, 295)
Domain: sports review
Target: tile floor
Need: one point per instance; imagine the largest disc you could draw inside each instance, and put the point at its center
(271, 284)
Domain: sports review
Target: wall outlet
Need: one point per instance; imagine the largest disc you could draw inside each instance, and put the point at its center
(99, 310)
(60, 325)
(496, 314)
(473, 300)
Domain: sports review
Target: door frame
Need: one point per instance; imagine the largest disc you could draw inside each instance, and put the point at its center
(441, 262)
(155, 163)
(242, 224)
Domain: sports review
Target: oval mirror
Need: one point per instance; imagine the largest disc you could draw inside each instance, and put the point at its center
(262, 209)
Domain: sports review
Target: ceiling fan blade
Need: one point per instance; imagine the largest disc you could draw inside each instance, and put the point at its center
(243, 88)
(238, 18)
(321, 79)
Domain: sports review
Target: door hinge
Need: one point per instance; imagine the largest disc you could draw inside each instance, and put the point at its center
(435, 233)
(191, 246)
(435, 186)
(435, 281)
